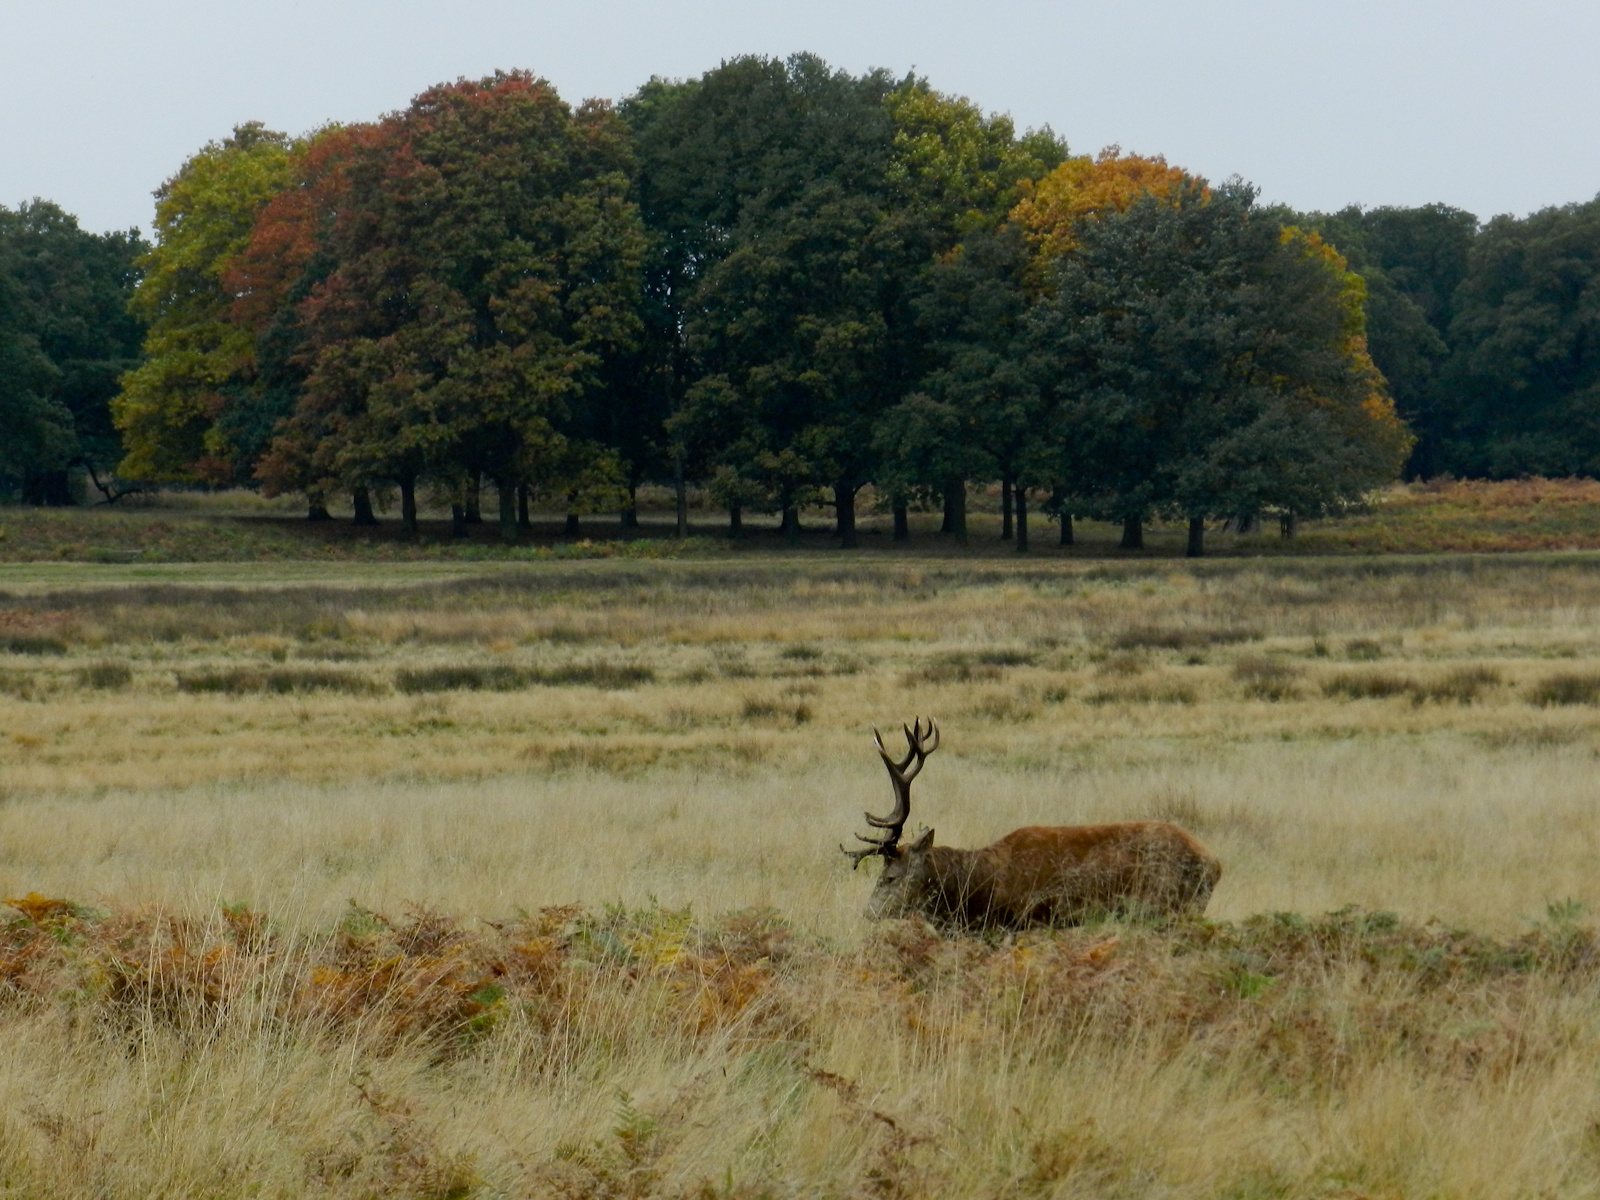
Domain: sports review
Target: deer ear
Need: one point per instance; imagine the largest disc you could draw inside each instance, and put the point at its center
(924, 840)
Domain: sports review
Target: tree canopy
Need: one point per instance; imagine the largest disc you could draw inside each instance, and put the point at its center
(784, 282)
(66, 335)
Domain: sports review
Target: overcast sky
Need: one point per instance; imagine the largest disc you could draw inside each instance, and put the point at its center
(1489, 105)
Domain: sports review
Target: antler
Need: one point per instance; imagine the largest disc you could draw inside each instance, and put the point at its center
(921, 743)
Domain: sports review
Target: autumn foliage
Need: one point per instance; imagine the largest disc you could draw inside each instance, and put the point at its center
(1084, 188)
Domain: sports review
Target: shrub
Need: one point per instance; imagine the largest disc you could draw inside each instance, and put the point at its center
(1267, 678)
(1145, 637)
(955, 668)
(1362, 650)
(1143, 693)
(768, 710)
(19, 684)
(1566, 688)
(109, 676)
(242, 681)
(801, 652)
(1366, 685)
(1121, 664)
(504, 678)
(1463, 685)
(32, 643)
(1006, 658)
(612, 676)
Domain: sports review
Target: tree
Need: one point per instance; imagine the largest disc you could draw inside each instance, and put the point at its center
(194, 354)
(1209, 362)
(955, 174)
(764, 184)
(38, 427)
(979, 412)
(481, 267)
(1052, 211)
(69, 292)
(1412, 261)
(1524, 371)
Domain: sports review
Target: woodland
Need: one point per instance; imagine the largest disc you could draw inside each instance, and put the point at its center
(786, 286)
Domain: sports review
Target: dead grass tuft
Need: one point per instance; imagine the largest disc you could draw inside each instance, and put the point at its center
(1367, 685)
(25, 643)
(1147, 637)
(106, 676)
(240, 681)
(1267, 678)
(1569, 687)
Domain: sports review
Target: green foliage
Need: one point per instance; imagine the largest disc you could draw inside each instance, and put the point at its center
(1412, 261)
(484, 256)
(65, 337)
(1206, 363)
(194, 354)
(1523, 376)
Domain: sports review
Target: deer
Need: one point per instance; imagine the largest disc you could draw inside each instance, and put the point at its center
(1037, 875)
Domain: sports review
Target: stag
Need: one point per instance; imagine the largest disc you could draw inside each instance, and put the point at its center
(1038, 875)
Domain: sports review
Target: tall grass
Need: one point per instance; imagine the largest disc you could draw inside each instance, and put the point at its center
(385, 927)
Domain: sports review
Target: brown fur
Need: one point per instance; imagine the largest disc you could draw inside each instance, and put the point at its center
(1049, 876)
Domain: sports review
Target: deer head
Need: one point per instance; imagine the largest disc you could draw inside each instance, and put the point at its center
(920, 743)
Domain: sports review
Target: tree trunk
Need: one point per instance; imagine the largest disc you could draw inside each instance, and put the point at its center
(362, 500)
(1197, 538)
(1006, 532)
(844, 507)
(573, 528)
(49, 489)
(458, 521)
(408, 504)
(1248, 522)
(630, 510)
(1288, 525)
(902, 521)
(474, 500)
(1132, 534)
(956, 498)
(1066, 529)
(1021, 496)
(316, 510)
(523, 520)
(735, 521)
(948, 525)
(791, 524)
(682, 495)
(508, 510)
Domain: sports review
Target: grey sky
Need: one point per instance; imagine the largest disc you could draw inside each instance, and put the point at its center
(1493, 106)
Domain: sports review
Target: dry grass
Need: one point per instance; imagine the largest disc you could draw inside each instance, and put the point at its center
(602, 942)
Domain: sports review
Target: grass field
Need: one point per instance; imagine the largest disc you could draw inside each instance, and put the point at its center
(242, 527)
(506, 878)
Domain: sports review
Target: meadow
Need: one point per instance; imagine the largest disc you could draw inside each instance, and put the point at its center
(462, 878)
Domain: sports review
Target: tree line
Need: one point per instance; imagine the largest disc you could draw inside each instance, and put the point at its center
(785, 283)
